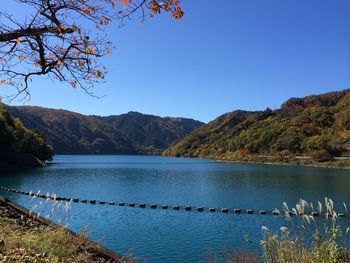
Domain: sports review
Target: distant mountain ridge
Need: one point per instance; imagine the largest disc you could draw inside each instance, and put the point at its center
(74, 133)
(150, 133)
(317, 125)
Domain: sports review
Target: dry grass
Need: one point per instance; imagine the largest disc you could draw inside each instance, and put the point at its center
(309, 240)
(44, 244)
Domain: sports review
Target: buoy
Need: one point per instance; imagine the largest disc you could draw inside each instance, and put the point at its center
(142, 205)
(212, 209)
(250, 211)
(153, 206)
(176, 207)
(121, 204)
(92, 201)
(188, 208)
(84, 201)
(111, 203)
(76, 200)
(102, 202)
(237, 210)
(165, 206)
(200, 209)
(132, 204)
(224, 210)
(262, 212)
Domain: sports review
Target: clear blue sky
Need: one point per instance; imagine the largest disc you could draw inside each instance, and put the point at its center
(223, 55)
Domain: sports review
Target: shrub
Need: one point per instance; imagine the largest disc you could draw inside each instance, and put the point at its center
(321, 156)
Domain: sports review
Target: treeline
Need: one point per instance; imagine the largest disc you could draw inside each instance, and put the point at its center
(315, 126)
(19, 146)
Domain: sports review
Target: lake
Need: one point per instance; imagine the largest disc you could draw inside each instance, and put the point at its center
(156, 235)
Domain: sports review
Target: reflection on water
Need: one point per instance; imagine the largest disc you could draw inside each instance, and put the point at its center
(166, 235)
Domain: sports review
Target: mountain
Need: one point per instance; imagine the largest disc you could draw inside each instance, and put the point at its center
(131, 133)
(151, 134)
(20, 147)
(316, 126)
(74, 133)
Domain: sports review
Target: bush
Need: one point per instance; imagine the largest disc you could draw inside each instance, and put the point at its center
(321, 156)
(283, 155)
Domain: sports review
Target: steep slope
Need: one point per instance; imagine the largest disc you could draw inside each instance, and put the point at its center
(150, 133)
(19, 146)
(315, 126)
(73, 133)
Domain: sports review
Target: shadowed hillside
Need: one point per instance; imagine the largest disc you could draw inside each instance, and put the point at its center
(316, 126)
(19, 146)
(73, 133)
(150, 133)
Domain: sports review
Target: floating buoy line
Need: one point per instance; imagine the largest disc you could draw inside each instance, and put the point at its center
(154, 206)
(128, 163)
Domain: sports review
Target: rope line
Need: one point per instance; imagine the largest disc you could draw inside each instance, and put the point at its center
(154, 206)
(127, 163)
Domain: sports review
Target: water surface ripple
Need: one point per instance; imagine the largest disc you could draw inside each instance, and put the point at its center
(168, 235)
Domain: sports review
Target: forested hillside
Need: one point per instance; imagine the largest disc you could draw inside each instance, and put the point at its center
(131, 133)
(73, 133)
(150, 133)
(19, 146)
(316, 126)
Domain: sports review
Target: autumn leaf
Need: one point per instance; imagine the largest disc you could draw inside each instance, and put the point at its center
(18, 41)
(63, 28)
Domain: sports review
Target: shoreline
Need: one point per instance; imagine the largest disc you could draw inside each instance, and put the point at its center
(22, 162)
(25, 220)
(282, 163)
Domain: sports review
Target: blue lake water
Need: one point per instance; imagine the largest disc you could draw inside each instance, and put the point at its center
(155, 235)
